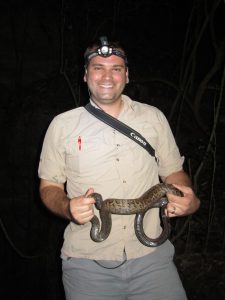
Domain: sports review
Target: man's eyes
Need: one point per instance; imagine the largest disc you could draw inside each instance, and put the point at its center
(116, 69)
(97, 68)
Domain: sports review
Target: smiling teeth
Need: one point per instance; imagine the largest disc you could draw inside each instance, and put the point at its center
(106, 86)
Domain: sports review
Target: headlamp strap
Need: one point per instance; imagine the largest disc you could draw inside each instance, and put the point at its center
(105, 50)
(122, 128)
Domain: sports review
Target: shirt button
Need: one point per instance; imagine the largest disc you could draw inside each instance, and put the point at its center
(118, 159)
(124, 181)
(124, 227)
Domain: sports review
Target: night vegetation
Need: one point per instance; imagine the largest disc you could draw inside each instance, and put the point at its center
(176, 52)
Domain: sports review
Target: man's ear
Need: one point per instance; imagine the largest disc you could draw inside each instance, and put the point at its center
(85, 72)
(127, 76)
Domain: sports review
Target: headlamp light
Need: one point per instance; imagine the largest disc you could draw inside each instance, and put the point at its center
(105, 50)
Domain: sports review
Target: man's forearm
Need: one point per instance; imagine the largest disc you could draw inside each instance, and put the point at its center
(180, 178)
(56, 201)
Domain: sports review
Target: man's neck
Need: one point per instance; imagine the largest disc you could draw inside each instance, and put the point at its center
(113, 109)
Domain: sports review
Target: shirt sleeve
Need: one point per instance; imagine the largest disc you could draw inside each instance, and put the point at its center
(52, 158)
(170, 160)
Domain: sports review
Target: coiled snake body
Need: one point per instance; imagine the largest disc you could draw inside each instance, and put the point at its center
(154, 197)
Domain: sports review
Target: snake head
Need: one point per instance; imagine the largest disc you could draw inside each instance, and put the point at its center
(160, 203)
(163, 201)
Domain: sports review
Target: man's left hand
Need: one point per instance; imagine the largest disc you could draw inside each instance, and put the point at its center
(182, 206)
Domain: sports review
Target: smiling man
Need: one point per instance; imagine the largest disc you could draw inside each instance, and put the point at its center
(106, 79)
(82, 155)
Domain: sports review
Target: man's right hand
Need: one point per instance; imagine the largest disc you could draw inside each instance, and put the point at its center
(81, 208)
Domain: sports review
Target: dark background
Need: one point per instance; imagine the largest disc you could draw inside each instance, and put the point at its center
(176, 58)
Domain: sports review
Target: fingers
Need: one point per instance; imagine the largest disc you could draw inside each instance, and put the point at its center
(182, 206)
(89, 192)
(172, 210)
(81, 208)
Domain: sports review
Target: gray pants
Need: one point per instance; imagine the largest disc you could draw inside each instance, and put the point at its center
(152, 277)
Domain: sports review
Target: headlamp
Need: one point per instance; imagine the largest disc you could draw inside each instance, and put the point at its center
(105, 50)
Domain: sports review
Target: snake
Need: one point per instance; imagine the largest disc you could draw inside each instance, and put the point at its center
(155, 197)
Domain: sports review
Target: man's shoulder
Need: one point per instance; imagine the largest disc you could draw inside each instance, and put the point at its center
(69, 115)
(142, 107)
(68, 119)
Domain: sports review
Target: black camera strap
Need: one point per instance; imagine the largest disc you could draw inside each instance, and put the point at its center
(121, 127)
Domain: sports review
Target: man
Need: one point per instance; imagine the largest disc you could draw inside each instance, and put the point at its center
(82, 155)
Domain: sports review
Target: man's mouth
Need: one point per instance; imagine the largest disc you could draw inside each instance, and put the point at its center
(106, 86)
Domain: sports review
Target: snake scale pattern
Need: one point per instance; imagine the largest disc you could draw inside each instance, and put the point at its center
(154, 197)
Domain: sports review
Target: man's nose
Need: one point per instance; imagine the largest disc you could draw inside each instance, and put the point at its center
(107, 74)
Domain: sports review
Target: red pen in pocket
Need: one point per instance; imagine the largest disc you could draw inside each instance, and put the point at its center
(79, 143)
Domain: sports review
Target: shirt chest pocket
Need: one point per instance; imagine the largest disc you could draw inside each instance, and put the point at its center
(86, 154)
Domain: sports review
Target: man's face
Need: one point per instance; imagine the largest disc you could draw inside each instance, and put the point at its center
(106, 78)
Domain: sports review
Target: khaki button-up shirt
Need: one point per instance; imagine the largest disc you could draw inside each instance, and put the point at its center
(83, 152)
